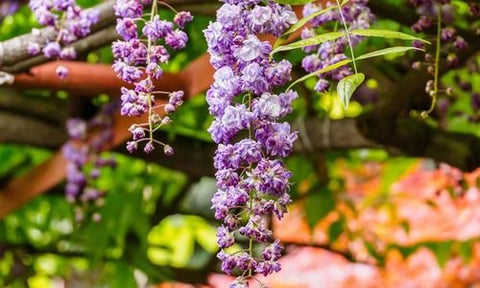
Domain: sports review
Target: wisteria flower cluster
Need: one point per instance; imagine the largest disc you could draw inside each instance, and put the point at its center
(9, 7)
(428, 11)
(465, 85)
(474, 8)
(252, 180)
(70, 22)
(137, 61)
(83, 153)
(357, 15)
(439, 14)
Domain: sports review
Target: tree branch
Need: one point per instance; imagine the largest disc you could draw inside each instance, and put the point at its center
(14, 56)
(328, 134)
(43, 109)
(19, 129)
(15, 50)
(417, 139)
(85, 79)
(83, 46)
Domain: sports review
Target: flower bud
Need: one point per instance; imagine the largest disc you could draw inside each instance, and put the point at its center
(168, 150)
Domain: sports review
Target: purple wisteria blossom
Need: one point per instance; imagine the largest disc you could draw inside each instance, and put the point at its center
(429, 11)
(439, 15)
(357, 15)
(137, 61)
(252, 180)
(83, 153)
(9, 7)
(70, 22)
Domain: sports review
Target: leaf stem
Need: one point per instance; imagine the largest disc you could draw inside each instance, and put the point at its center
(149, 57)
(437, 63)
(252, 193)
(339, 6)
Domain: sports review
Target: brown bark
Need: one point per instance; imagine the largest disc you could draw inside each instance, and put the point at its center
(82, 47)
(85, 79)
(14, 56)
(26, 187)
(14, 50)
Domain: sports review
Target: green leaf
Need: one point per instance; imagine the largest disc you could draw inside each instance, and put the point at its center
(387, 51)
(406, 251)
(405, 226)
(120, 274)
(294, 2)
(302, 166)
(335, 229)
(372, 251)
(347, 86)
(138, 258)
(441, 250)
(315, 40)
(302, 22)
(386, 34)
(304, 171)
(392, 172)
(465, 251)
(382, 52)
(321, 71)
(319, 205)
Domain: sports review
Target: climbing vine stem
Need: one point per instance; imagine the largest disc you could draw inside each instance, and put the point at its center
(149, 58)
(434, 92)
(339, 6)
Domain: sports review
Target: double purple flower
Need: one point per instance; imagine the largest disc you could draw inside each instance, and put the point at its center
(252, 180)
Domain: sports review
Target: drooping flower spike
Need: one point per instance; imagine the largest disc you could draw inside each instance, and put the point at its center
(88, 139)
(137, 61)
(70, 23)
(438, 14)
(252, 180)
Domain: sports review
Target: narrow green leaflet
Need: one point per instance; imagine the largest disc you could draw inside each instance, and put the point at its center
(302, 22)
(393, 170)
(347, 86)
(442, 251)
(382, 52)
(319, 205)
(310, 41)
(321, 71)
(465, 251)
(336, 228)
(386, 34)
(387, 51)
(294, 2)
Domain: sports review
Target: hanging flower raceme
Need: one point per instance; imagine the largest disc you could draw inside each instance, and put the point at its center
(251, 178)
(70, 23)
(429, 12)
(9, 7)
(83, 153)
(438, 14)
(357, 15)
(137, 61)
(448, 36)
